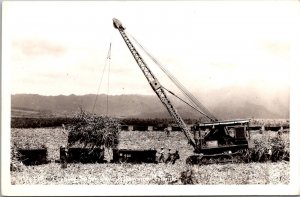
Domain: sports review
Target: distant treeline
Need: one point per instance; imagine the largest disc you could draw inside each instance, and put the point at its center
(24, 122)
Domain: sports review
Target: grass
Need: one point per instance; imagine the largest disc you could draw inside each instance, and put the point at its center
(53, 138)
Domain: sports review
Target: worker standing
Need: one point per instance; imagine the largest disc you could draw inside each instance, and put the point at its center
(168, 131)
(169, 156)
(161, 156)
(175, 157)
(63, 157)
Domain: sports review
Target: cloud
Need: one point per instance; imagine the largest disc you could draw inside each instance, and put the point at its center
(39, 48)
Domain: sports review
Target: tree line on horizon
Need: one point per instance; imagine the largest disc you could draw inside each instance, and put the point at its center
(27, 122)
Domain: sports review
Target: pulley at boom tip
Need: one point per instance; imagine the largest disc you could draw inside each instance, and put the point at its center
(117, 24)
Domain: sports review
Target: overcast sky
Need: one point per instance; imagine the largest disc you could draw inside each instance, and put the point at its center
(61, 47)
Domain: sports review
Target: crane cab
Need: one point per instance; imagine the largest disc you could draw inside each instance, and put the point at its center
(221, 137)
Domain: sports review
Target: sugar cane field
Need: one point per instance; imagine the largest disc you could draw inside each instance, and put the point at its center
(146, 173)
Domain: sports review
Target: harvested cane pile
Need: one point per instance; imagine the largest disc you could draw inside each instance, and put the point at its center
(91, 131)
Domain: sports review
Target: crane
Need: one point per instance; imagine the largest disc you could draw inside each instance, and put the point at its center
(218, 144)
(154, 83)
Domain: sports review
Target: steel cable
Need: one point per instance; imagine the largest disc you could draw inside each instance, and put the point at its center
(190, 97)
(106, 61)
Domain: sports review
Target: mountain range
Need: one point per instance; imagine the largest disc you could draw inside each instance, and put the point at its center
(224, 105)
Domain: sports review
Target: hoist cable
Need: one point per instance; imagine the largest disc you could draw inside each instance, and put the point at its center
(99, 85)
(185, 102)
(107, 95)
(191, 98)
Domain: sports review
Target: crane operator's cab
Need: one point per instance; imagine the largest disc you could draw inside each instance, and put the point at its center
(219, 142)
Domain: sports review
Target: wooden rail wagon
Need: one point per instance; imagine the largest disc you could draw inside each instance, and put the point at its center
(134, 156)
(82, 155)
(33, 156)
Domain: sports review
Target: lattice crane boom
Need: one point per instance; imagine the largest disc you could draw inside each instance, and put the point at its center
(154, 83)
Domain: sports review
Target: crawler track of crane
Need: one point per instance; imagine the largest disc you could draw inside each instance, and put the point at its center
(223, 158)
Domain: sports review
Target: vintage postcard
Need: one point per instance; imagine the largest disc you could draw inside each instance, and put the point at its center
(150, 97)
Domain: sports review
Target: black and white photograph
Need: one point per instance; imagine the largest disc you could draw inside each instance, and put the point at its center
(150, 97)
